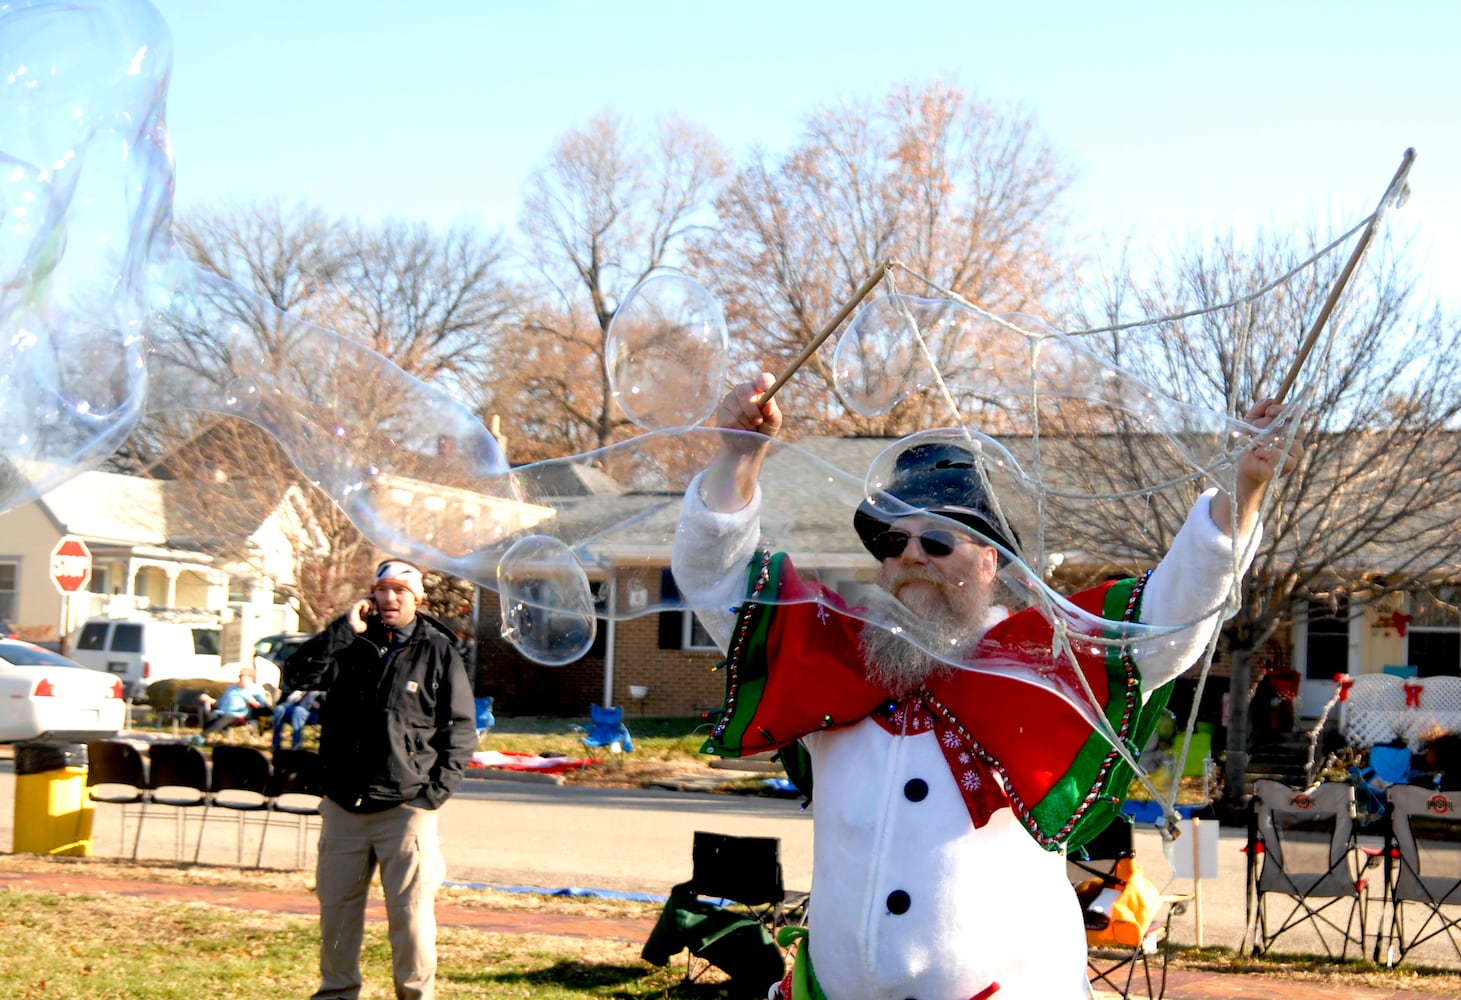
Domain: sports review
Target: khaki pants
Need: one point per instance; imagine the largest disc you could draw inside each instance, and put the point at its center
(403, 842)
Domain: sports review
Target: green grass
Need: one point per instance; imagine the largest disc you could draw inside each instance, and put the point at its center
(60, 946)
(99, 947)
(654, 738)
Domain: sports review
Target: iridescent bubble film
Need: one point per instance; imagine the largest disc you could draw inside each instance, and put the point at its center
(103, 319)
(666, 352)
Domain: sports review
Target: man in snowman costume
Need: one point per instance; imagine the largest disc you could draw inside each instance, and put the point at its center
(943, 796)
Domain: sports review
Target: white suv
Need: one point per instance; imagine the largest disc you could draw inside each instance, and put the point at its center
(144, 651)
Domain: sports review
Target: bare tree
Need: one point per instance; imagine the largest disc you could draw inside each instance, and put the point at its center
(273, 330)
(955, 189)
(431, 303)
(288, 256)
(610, 204)
(1363, 514)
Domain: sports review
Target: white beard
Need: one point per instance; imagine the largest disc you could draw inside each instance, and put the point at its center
(892, 643)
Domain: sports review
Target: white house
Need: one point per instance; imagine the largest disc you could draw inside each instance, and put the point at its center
(157, 545)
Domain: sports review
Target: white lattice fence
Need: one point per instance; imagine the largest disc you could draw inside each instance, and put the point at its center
(1380, 708)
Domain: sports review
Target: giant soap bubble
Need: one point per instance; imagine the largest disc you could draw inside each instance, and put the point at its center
(85, 191)
(1032, 377)
(103, 318)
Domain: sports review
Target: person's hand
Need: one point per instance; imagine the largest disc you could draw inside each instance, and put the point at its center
(1271, 455)
(742, 409)
(360, 611)
(1268, 456)
(730, 480)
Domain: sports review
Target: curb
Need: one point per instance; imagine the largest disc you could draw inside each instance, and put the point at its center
(501, 774)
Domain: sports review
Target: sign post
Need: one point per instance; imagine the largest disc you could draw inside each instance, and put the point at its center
(70, 572)
(1198, 863)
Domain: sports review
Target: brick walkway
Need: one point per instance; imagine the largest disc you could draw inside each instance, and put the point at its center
(1181, 984)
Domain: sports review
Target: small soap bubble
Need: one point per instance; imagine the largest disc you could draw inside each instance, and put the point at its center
(666, 352)
(547, 605)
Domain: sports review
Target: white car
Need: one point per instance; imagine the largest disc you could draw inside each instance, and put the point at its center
(44, 694)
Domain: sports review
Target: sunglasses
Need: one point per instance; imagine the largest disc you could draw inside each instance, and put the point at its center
(936, 542)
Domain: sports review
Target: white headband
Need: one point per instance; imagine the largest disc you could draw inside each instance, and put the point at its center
(402, 574)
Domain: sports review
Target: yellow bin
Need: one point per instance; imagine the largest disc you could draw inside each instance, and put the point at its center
(52, 808)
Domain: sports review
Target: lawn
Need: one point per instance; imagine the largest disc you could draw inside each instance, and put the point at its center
(65, 946)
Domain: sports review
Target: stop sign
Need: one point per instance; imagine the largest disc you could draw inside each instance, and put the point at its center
(70, 565)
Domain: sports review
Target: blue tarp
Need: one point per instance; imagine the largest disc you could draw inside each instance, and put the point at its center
(635, 897)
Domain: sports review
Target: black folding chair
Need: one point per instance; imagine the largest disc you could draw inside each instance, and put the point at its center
(295, 789)
(116, 773)
(240, 782)
(178, 777)
(1423, 869)
(1302, 860)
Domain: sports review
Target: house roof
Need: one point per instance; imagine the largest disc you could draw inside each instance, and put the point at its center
(131, 510)
(810, 490)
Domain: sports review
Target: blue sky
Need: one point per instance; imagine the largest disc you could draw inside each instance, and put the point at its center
(1180, 119)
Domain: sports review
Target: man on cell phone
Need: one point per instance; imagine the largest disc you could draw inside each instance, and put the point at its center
(397, 727)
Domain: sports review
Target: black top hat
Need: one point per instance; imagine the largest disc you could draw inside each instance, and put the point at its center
(936, 478)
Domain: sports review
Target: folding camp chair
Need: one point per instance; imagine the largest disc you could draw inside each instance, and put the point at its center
(1104, 871)
(744, 871)
(607, 730)
(1301, 848)
(1423, 869)
(740, 879)
(1389, 764)
(485, 719)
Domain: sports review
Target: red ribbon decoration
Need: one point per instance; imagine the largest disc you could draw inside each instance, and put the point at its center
(1412, 695)
(1345, 682)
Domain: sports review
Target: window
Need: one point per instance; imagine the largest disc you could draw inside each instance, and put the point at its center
(206, 641)
(680, 629)
(694, 635)
(127, 638)
(9, 571)
(1328, 645)
(1433, 641)
(93, 636)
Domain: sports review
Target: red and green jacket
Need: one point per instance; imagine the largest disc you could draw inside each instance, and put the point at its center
(795, 667)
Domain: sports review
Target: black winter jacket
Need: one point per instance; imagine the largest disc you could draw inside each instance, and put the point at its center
(393, 730)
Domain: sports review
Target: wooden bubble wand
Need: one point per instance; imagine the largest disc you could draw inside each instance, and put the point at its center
(878, 274)
(1392, 192)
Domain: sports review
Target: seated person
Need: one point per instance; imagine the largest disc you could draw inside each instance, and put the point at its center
(238, 703)
(293, 708)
